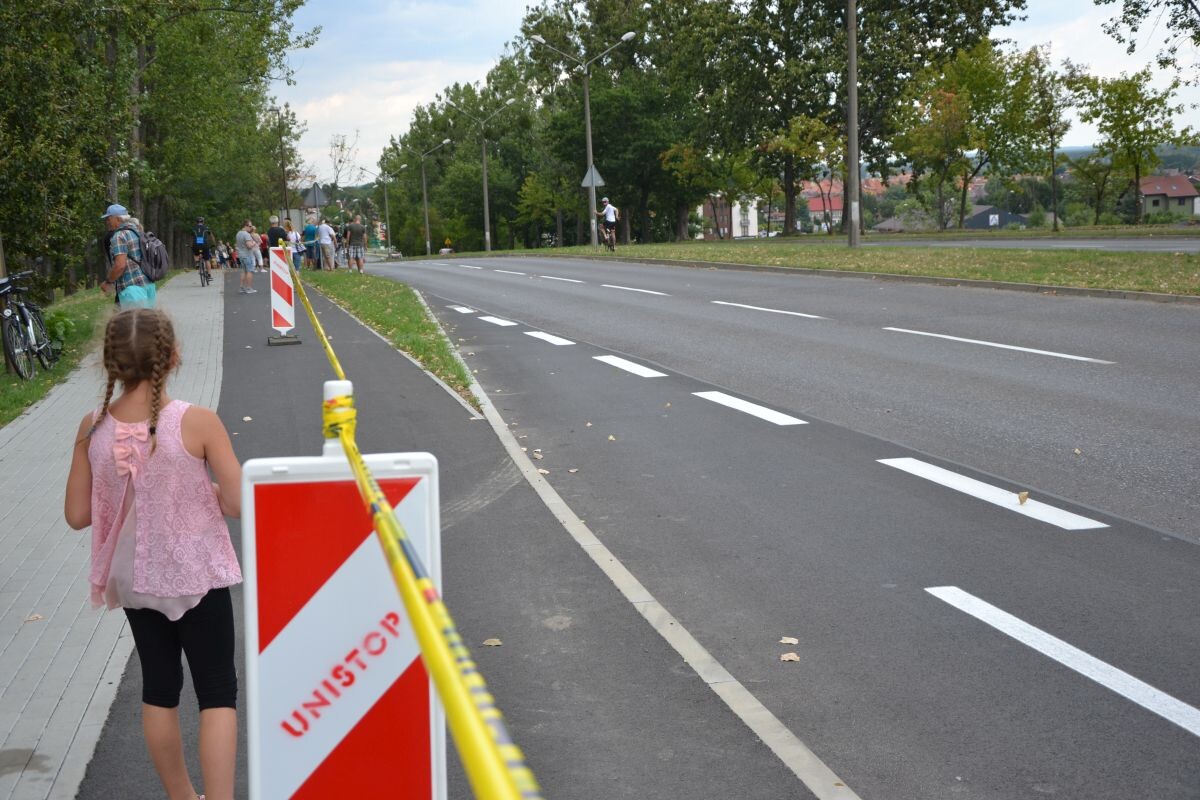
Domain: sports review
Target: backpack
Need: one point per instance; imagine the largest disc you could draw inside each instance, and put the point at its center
(200, 234)
(155, 263)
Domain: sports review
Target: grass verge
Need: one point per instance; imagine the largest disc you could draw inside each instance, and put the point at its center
(1169, 273)
(393, 310)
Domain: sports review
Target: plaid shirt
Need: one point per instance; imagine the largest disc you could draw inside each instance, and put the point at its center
(126, 242)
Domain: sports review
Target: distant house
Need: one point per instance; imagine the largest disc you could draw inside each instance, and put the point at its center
(1169, 194)
(826, 210)
(717, 217)
(983, 218)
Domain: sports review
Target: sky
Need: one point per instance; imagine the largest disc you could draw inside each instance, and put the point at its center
(373, 65)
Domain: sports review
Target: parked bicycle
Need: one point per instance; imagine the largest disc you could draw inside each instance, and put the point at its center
(24, 329)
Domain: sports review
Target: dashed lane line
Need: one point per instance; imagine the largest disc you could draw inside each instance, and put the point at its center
(746, 407)
(1001, 346)
(462, 309)
(556, 278)
(994, 495)
(630, 366)
(549, 337)
(467, 266)
(769, 310)
(509, 271)
(632, 289)
(503, 323)
(1108, 676)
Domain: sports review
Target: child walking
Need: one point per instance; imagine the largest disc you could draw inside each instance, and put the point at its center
(160, 548)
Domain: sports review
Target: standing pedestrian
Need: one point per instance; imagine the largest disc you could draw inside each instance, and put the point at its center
(275, 235)
(125, 277)
(310, 242)
(325, 240)
(356, 244)
(247, 247)
(263, 244)
(160, 548)
(293, 239)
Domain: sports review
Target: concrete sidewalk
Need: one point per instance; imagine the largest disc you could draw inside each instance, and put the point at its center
(60, 660)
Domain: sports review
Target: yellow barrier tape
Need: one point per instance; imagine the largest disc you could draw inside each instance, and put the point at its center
(494, 764)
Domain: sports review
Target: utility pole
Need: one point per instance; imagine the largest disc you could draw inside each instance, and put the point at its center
(852, 167)
(587, 127)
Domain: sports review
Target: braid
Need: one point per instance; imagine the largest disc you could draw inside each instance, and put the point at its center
(163, 347)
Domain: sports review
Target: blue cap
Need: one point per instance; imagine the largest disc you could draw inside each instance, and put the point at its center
(115, 210)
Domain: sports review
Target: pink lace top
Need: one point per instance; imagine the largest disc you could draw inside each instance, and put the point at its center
(181, 547)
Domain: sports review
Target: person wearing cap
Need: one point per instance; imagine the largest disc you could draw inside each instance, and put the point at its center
(125, 276)
(202, 242)
(610, 215)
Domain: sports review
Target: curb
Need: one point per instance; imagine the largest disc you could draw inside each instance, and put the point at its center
(1067, 291)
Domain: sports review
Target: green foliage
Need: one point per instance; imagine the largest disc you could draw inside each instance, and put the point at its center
(59, 325)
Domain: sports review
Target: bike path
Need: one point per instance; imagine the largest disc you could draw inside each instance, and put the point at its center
(600, 704)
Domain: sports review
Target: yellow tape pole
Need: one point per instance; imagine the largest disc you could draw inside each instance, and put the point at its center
(494, 764)
(333, 359)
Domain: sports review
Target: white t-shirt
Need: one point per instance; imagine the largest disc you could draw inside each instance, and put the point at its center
(610, 213)
(324, 235)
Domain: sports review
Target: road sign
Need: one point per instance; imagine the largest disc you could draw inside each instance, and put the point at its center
(592, 178)
(339, 703)
(283, 300)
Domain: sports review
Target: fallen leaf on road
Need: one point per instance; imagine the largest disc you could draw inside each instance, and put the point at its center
(1078, 452)
(537, 455)
(573, 471)
(33, 618)
(612, 438)
(247, 419)
(588, 424)
(789, 640)
(492, 642)
(668, 405)
(235, 433)
(1022, 497)
(543, 472)
(248, 347)
(789, 657)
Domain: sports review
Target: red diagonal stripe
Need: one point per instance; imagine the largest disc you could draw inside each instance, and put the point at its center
(278, 321)
(303, 533)
(396, 727)
(281, 288)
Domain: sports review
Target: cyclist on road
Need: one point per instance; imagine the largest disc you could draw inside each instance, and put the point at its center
(610, 214)
(202, 242)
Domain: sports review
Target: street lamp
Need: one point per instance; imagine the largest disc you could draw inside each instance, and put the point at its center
(487, 225)
(387, 214)
(587, 114)
(425, 194)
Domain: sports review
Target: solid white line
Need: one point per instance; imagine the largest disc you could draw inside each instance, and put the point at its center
(771, 310)
(1001, 346)
(556, 278)
(629, 366)
(467, 266)
(463, 309)
(993, 494)
(504, 323)
(631, 289)
(1108, 676)
(549, 337)
(753, 409)
(508, 272)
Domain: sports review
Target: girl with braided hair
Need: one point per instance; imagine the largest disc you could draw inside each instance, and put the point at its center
(160, 546)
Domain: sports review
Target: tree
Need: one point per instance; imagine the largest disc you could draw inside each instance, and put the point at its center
(1093, 174)
(1047, 95)
(1182, 25)
(935, 138)
(1134, 120)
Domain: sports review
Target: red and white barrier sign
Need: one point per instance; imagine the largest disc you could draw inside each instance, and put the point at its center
(283, 300)
(339, 702)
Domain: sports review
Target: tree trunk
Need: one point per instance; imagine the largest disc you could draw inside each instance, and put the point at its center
(625, 238)
(1053, 186)
(579, 229)
(1137, 194)
(137, 206)
(789, 196)
(682, 213)
(558, 227)
(646, 221)
(111, 61)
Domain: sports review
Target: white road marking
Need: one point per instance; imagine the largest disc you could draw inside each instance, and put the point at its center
(556, 278)
(629, 366)
(771, 310)
(463, 309)
(1076, 246)
(1001, 346)
(508, 271)
(753, 409)
(993, 494)
(504, 323)
(467, 266)
(549, 337)
(631, 289)
(1108, 676)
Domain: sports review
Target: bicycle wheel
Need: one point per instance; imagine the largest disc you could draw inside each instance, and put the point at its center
(18, 349)
(45, 349)
(205, 278)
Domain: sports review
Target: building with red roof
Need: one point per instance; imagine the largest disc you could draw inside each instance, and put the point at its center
(1169, 194)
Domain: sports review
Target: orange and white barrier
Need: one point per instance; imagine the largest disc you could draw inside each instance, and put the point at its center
(283, 298)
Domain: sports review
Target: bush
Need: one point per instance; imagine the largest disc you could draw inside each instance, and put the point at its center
(1164, 218)
(1110, 218)
(59, 325)
(1078, 215)
(1037, 217)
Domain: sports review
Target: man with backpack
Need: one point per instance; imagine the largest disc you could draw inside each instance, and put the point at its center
(202, 242)
(126, 277)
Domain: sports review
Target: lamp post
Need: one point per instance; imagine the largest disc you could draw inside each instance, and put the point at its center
(387, 214)
(852, 171)
(587, 114)
(425, 193)
(487, 225)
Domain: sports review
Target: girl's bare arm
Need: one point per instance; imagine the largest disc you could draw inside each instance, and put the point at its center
(78, 505)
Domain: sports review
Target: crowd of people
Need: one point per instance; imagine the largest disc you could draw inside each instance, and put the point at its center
(317, 246)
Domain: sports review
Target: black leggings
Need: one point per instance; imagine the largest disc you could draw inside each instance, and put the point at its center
(205, 634)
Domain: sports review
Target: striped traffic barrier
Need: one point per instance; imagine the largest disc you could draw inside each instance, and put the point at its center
(283, 300)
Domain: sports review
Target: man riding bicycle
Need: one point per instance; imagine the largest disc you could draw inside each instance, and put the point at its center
(202, 242)
(610, 215)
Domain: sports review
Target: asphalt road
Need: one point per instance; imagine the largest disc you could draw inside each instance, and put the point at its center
(1155, 244)
(944, 630)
